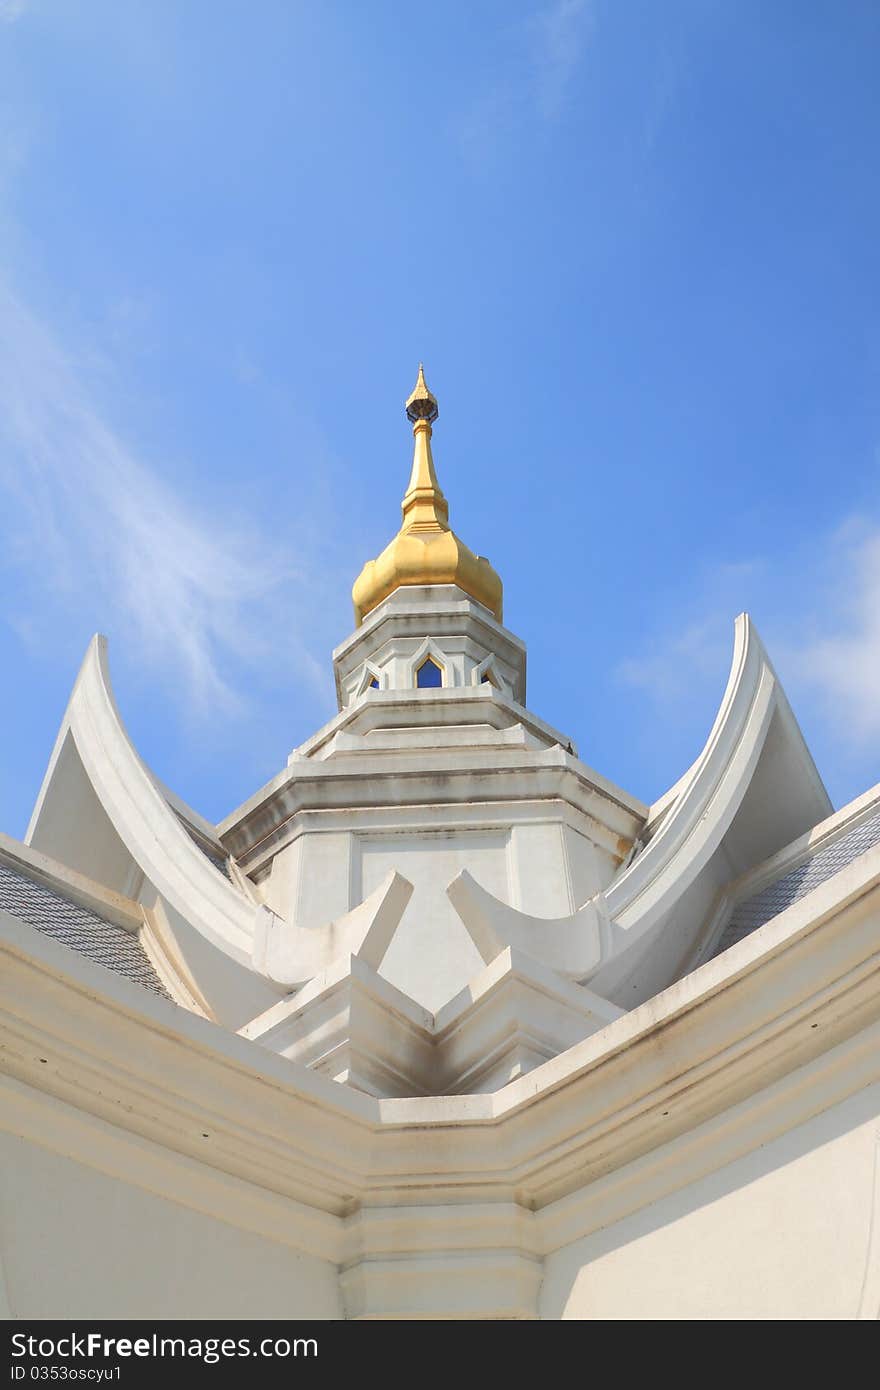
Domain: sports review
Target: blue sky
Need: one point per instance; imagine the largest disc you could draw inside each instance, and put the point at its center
(636, 245)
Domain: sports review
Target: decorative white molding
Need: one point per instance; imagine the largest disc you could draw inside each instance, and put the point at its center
(514, 1016)
(370, 673)
(428, 1262)
(429, 708)
(735, 1026)
(778, 1029)
(65, 1128)
(290, 955)
(337, 777)
(609, 935)
(573, 946)
(390, 633)
(487, 672)
(428, 650)
(764, 1115)
(354, 1027)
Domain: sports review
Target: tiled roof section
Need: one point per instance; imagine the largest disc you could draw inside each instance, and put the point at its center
(214, 856)
(78, 928)
(753, 912)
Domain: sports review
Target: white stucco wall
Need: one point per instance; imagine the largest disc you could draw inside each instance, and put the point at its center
(791, 1231)
(76, 1244)
(784, 1233)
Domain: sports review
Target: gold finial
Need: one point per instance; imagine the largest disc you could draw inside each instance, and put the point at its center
(421, 404)
(425, 550)
(424, 506)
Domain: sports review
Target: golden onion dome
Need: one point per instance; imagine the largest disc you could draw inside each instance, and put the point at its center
(425, 550)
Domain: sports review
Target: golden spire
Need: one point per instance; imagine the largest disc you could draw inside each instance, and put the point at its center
(424, 506)
(425, 550)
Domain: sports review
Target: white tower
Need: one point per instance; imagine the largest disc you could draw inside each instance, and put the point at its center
(433, 767)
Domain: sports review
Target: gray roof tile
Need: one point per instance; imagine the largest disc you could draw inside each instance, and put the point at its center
(77, 928)
(217, 857)
(753, 912)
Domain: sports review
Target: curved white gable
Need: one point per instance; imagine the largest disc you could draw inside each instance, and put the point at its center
(240, 971)
(660, 893)
(752, 789)
(141, 816)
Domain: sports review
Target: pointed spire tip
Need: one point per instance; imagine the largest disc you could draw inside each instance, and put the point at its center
(422, 403)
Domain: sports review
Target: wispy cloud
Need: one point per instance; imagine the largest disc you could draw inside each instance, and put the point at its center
(842, 662)
(10, 10)
(819, 613)
(674, 663)
(91, 527)
(536, 62)
(560, 33)
(668, 669)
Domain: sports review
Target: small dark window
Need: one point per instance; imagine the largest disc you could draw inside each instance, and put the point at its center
(487, 679)
(374, 684)
(429, 675)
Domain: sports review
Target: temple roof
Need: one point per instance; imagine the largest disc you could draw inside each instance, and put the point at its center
(71, 924)
(803, 866)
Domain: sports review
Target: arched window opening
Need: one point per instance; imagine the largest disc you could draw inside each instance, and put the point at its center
(374, 684)
(429, 675)
(488, 678)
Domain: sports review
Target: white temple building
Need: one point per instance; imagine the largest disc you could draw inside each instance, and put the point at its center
(440, 1023)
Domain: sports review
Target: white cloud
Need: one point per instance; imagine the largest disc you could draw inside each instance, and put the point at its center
(11, 10)
(91, 528)
(536, 61)
(842, 660)
(818, 610)
(560, 33)
(677, 665)
(667, 671)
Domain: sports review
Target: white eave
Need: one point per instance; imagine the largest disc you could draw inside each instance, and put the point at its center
(715, 1063)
